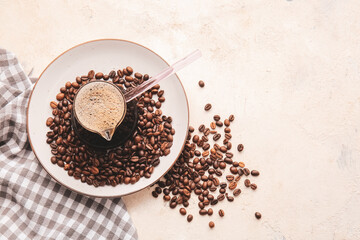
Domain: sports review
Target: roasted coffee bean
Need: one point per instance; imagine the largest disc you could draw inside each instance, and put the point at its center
(246, 171)
(173, 204)
(201, 128)
(231, 118)
(210, 212)
(232, 185)
(191, 129)
(182, 211)
(195, 138)
(222, 190)
(230, 178)
(53, 104)
(217, 136)
(211, 224)
(247, 183)
(49, 121)
(189, 218)
(60, 96)
(253, 186)
(236, 192)
(201, 83)
(233, 170)
(213, 125)
(99, 75)
(223, 149)
(240, 147)
(202, 212)
(155, 195)
(207, 107)
(227, 130)
(257, 215)
(220, 197)
(221, 213)
(227, 122)
(201, 205)
(255, 173)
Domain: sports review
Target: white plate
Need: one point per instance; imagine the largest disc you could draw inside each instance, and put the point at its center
(103, 56)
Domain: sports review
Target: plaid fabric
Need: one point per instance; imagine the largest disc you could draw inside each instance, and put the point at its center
(32, 205)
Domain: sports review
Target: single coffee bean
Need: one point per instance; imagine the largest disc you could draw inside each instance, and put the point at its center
(223, 149)
(227, 130)
(211, 224)
(216, 117)
(191, 129)
(240, 147)
(49, 121)
(216, 136)
(99, 75)
(258, 215)
(231, 118)
(60, 96)
(207, 107)
(201, 83)
(53, 104)
(154, 194)
(232, 185)
(230, 178)
(212, 125)
(202, 212)
(233, 170)
(219, 123)
(210, 212)
(129, 70)
(246, 171)
(173, 204)
(236, 192)
(182, 211)
(220, 197)
(253, 186)
(255, 173)
(221, 213)
(189, 218)
(241, 164)
(227, 122)
(201, 128)
(247, 183)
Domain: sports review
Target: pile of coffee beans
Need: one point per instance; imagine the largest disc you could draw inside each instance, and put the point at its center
(136, 158)
(200, 170)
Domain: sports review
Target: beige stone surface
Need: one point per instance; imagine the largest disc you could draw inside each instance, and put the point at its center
(288, 70)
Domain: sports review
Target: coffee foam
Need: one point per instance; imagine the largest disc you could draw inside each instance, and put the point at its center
(99, 106)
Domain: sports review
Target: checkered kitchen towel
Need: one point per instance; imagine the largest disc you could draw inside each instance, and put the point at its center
(32, 205)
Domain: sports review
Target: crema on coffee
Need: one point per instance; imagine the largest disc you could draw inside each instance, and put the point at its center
(99, 107)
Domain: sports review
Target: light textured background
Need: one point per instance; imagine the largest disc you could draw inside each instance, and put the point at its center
(288, 70)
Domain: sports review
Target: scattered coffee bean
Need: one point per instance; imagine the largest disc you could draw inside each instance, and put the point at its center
(253, 186)
(247, 183)
(236, 192)
(189, 218)
(255, 173)
(211, 224)
(240, 147)
(231, 118)
(258, 215)
(201, 83)
(227, 122)
(210, 211)
(207, 107)
(221, 213)
(182, 211)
